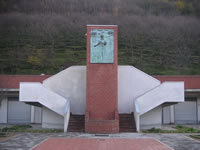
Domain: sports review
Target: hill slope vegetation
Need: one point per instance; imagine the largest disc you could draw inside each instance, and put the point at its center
(46, 36)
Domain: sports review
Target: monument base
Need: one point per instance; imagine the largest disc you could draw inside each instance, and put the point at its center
(102, 126)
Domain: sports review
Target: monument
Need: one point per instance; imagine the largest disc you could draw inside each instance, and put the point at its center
(102, 76)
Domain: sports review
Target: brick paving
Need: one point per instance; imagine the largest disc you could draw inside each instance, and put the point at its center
(26, 141)
(101, 144)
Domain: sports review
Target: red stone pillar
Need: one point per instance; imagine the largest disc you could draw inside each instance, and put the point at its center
(102, 87)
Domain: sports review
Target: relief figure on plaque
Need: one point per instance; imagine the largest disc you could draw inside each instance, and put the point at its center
(102, 46)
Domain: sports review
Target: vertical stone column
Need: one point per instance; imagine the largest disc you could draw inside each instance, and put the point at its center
(171, 114)
(102, 77)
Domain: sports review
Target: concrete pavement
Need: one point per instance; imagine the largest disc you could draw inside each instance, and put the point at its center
(25, 141)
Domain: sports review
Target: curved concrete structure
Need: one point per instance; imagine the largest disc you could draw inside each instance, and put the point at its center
(132, 83)
(137, 92)
(71, 84)
(170, 92)
(36, 92)
(166, 92)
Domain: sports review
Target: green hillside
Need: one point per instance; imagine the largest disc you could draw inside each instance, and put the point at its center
(46, 36)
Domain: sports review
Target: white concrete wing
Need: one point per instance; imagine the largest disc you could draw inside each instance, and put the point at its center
(166, 92)
(36, 92)
(70, 84)
(138, 92)
(132, 83)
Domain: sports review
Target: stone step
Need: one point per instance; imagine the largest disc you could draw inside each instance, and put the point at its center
(127, 123)
(76, 123)
(76, 128)
(128, 127)
(127, 130)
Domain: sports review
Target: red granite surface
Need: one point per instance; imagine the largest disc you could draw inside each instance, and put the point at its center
(102, 91)
(101, 144)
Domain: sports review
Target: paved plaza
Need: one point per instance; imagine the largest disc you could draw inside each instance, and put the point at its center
(101, 144)
(26, 141)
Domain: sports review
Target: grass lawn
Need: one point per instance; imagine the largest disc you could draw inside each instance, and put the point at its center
(27, 128)
(197, 137)
(6, 135)
(8, 132)
(178, 129)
